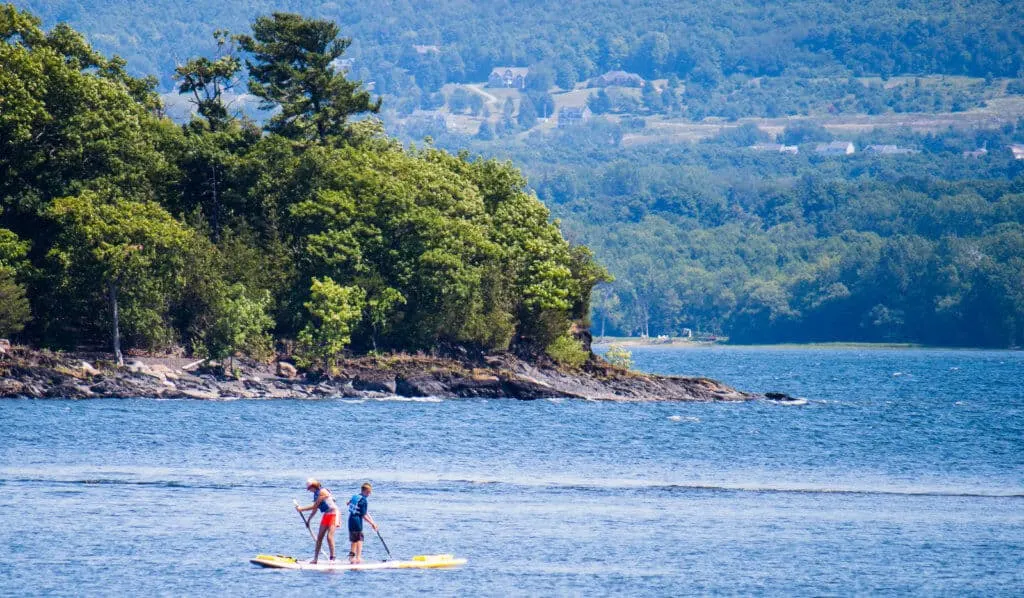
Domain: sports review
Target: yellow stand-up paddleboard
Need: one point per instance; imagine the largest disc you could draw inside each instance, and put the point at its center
(423, 561)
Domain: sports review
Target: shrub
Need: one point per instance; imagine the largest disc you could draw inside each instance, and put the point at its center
(619, 357)
(568, 351)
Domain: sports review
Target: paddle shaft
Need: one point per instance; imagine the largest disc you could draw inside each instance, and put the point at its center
(306, 523)
(386, 549)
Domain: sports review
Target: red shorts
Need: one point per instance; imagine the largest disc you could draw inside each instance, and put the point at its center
(329, 520)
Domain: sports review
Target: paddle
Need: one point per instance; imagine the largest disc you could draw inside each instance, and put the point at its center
(384, 543)
(306, 523)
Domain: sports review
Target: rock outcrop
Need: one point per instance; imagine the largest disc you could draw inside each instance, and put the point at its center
(38, 374)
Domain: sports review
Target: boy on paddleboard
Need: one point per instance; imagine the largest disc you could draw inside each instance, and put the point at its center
(357, 512)
(324, 501)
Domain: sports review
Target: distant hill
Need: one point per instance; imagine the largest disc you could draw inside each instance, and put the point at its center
(411, 47)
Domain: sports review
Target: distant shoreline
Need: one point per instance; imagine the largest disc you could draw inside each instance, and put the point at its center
(678, 343)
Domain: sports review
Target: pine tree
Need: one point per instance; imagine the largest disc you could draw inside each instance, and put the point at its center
(292, 67)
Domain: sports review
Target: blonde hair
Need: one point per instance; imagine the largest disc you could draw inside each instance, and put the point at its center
(367, 486)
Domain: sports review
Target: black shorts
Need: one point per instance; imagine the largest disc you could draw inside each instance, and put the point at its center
(355, 535)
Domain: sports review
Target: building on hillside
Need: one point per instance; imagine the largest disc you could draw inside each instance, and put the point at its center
(513, 77)
(569, 116)
(775, 148)
(617, 79)
(889, 150)
(1018, 151)
(835, 148)
(978, 153)
(423, 50)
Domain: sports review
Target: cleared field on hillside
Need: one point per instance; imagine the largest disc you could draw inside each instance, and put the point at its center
(999, 109)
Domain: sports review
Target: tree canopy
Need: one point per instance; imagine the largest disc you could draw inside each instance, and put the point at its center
(117, 224)
(292, 71)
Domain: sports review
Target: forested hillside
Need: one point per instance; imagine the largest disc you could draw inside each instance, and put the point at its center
(667, 174)
(696, 41)
(117, 225)
(768, 248)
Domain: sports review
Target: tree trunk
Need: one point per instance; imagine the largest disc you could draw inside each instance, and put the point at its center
(115, 321)
(215, 216)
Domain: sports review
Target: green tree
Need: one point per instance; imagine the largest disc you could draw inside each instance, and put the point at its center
(527, 116)
(541, 77)
(15, 311)
(334, 311)
(130, 250)
(619, 357)
(566, 76)
(241, 324)
(14, 307)
(485, 132)
(600, 103)
(69, 118)
(207, 80)
(459, 99)
(292, 69)
(381, 308)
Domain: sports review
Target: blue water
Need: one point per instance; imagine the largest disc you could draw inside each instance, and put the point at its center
(904, 474)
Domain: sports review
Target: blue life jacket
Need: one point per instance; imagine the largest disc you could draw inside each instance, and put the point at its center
(327, 505)
(353, 504)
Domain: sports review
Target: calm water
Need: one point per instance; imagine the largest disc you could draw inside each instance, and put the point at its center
(903, 475)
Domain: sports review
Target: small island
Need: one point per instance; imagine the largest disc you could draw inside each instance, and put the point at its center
(307, 256)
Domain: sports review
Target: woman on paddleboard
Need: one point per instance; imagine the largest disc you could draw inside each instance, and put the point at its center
(324, 501)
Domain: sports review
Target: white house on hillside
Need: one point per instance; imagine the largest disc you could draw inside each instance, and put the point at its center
(835, 148)
(775, 148)
(889, 150)
(508, 76)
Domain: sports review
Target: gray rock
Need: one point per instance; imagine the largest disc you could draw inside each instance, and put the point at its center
(198, 394)
(375, 383)
(87, 370)
(286, 370)
(10, 388)
(421, 386)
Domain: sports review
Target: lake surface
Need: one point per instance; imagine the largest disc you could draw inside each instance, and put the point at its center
(904, 474)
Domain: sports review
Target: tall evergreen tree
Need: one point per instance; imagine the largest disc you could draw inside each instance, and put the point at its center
(293, 68)
(207, 80)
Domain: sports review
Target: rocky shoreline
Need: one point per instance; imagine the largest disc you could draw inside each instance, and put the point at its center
(28, 373)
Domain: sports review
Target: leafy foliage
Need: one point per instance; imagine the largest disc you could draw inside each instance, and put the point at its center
(14, 307)
(618, 356)
(334, 311)
(241, 324)
(701, 43)
(567, 351)
(208, 79)
(213, 235)
(765, 247)
(291, 69)
(127, 251)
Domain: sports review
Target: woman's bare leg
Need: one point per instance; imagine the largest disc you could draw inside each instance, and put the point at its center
(319, 541)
